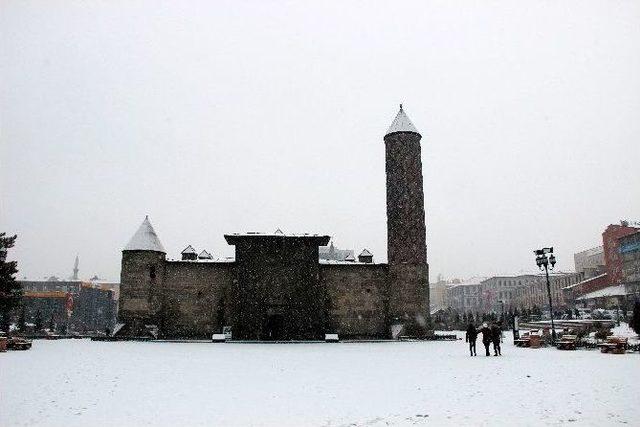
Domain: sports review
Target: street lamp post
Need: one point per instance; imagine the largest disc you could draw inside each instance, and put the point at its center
(543, 260)
(501, 311)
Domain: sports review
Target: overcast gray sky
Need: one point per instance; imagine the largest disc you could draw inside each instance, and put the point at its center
(217, 117)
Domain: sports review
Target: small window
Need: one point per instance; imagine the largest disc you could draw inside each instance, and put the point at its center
(152, 272)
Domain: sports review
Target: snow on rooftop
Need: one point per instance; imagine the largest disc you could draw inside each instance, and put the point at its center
(365, 252)
(278, 233)
(350, 261)
(189, 250)
(401, 123)
(205, 255)
(145, 239)
(610, 291)
(204, 260)
(585, 281)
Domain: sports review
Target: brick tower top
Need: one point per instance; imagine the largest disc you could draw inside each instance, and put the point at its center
(406, 233)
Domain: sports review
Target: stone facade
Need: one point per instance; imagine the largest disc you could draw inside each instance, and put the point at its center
(264, 298)
(276, 288)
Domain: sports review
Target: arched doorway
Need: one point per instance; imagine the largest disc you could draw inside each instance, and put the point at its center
(273, 329)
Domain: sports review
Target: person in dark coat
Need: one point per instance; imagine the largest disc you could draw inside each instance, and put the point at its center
(486, 337)
(496, 336)
(472, 335)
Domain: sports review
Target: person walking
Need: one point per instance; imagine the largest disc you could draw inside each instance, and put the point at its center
(471, 337)
(496, 336)
(486, 337)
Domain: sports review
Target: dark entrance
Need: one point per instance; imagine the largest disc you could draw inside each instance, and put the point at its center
(273, 329)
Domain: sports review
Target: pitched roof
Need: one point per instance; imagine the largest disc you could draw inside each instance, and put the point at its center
(610, 291)
(145, 239)
(189, 250)
(401, 124)
(365, 252)
(205, 255)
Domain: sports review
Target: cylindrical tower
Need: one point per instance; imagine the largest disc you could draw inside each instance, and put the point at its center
(141, 279)
(406, 231)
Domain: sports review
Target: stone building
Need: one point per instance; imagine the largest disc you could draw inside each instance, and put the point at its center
(277, 288)
(465, 296)
(520, 291)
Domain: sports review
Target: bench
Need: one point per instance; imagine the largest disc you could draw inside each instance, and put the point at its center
(614, 345)
(522, 342)
(567, 342)
(17, 343)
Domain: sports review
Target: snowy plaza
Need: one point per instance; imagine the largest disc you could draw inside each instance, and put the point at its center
(81, 382)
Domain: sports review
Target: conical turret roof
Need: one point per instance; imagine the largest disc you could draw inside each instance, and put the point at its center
(145, 239)
(401, 124)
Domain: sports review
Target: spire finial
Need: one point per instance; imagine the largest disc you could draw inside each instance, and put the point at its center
(400, 107)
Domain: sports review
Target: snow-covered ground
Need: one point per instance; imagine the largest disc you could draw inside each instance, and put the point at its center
(80, 383)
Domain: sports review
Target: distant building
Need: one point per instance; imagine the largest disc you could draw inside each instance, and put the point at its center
(508, 292)
(533, 292)
(620, 261)
(612, 255)
(331, 253)
(590, 262)
(630, 254)
(437, 294)
(81, 306)
(465, 297)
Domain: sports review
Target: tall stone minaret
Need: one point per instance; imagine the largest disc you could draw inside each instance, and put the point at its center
(75, 269)
(406, 231)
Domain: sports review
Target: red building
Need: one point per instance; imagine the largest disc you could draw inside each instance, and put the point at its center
(612, 256)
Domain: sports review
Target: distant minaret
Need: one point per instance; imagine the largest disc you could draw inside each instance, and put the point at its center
(406, 231)
(75, 269)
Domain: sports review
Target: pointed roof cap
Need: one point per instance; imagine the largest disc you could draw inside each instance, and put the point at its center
(401, 124)
(189, 250)
(349, 257)
(205, 255)
(365, 252)
(145, 239)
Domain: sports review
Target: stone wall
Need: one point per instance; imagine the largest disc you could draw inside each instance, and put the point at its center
(357, 299)
(276, 294)
(194, 298)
